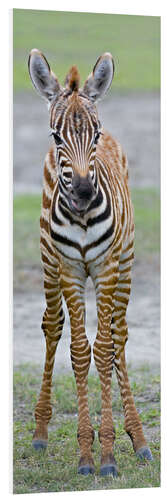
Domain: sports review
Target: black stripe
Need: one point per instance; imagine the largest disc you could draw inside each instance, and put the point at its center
(100, 254)
(54, 215)
(103, 216)
(97, 201)
(95, 182)
(102, 238)
(55, 218)
(65, 241)
(100, 218)
(107, 212)
(62, 185)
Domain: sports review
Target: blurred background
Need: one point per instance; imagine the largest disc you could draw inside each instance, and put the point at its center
(131, 112)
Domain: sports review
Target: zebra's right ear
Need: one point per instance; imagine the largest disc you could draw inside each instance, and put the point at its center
(43, 79)
(101, 77)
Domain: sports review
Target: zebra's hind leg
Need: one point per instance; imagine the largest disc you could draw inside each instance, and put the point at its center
(52, 326)
(133, 425)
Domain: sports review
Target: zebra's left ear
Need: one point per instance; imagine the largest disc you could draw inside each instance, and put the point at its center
(101, 77)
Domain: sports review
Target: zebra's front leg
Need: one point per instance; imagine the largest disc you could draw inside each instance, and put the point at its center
(81, 358)
(52, 326)
(103, 351)
(104, 358)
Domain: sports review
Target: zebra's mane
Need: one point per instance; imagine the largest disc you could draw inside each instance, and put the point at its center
(72, 79)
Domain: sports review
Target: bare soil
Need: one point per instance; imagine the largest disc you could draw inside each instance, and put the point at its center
(134, 118)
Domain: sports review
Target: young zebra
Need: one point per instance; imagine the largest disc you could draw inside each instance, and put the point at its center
(87, 229)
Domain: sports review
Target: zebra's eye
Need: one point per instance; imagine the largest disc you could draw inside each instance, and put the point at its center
(97, 135)
(57, 138)
(67, 176)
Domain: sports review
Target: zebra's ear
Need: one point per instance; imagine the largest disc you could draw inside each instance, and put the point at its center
(101, 77)
(43, 79)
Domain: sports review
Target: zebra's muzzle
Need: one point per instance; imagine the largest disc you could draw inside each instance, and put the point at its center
(82, 193)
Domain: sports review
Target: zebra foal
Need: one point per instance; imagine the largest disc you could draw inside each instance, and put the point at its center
(86, 229)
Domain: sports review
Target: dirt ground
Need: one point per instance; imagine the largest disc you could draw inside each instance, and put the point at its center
(135, 120)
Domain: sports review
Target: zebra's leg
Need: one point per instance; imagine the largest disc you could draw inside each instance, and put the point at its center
(133, 425)
(103, 351)
(52, 326)
(73, 290)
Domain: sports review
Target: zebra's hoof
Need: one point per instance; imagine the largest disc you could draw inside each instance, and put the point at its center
(86, 469)
(39, 444)
(107, 469)
(144, 452)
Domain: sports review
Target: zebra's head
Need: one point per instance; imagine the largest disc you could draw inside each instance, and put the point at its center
(74, 124)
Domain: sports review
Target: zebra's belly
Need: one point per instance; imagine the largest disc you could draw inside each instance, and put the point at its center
(76, 243)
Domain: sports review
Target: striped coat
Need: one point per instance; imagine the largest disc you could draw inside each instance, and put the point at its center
(87, 229)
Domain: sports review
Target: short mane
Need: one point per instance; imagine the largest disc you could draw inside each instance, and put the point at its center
(72, 79)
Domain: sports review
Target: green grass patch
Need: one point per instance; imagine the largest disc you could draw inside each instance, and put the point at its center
(133, 40)
(56, 469)
(147, 221)
(26, 226)
(26, 220)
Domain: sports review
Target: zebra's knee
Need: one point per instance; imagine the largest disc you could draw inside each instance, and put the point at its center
(53, 325)
(104, 355)
(119, 329)
(80, 357)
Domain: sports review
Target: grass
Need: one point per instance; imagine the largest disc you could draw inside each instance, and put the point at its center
(26, 222)
(133, 40)
(56, 469)
(147, 221)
